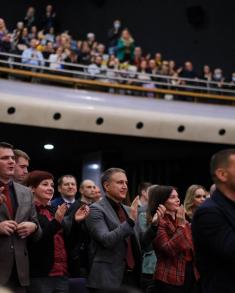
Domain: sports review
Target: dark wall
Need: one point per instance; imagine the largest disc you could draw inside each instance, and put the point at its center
(167, 162)
(198, 30)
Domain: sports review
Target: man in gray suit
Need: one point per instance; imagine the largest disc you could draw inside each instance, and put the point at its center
(18, 221)
(115, 241)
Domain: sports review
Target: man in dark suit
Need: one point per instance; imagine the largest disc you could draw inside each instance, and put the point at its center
(67, 187)
(115, 240)
(18, 221)
(213, 228)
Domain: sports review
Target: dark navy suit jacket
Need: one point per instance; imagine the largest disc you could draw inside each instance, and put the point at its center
(213, 228)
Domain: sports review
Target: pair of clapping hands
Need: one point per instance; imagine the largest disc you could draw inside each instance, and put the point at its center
(80, 214)
(160, 212)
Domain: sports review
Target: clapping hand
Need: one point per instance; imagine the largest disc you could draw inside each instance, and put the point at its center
(159, 214)
(82, 213)
(180, 216)
(60, 212)
(134, 209)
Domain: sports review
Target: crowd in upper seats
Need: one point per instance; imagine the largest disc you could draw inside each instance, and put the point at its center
(38, 40)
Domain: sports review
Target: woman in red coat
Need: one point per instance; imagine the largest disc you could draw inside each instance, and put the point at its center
(175, 270)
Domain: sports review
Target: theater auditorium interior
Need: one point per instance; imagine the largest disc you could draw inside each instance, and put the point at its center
(158, 129)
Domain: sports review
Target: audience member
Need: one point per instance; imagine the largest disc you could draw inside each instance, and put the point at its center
(32, 56)
(115, 251)
(113, 35)
(48, 257)
(21, 166)
(213, 228)
(173, 245)
(125, 47)
(18, 221)
(195, 196)
(67, 187)
(87, 190)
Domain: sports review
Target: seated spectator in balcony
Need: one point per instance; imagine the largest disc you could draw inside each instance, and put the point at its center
(158, 60)
(90, 38)
(47, 51)
(17, 32)
(23, 41)
(207, 76)
(138, 56)
(153, 69)
(195, 196)
(29, 19)
(33, 33)
(206, 73)
(218, 78)
(232, 82)
(50, 35)
(125, 47)
(95, 68)
(114, 34)
(187, 71)
(145, 78)
(84, 57)
(5, 39)
(112, 68)
(32, 56)
(48, 19)
(56, 58)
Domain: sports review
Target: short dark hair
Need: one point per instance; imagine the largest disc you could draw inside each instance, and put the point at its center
(106, 175)
(34, 178)
(143, 186)
(60, 180)
(6, 145)
(19, 153)
(220, 160)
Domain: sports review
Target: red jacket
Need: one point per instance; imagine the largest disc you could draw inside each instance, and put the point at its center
(174, 247)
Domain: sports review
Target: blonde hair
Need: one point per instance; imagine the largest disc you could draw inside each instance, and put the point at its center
(189, 199)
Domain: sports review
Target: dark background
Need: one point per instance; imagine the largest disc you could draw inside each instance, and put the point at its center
(197, 30)
(168, 162)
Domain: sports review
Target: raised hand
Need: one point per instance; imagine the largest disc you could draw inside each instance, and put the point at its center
(60, 212)
(134, 208)
(180, 216)
(160, 212)
(82, 213)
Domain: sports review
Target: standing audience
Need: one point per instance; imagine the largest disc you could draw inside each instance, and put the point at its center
(173, 245)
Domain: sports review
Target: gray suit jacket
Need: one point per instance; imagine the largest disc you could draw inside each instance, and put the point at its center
(13, 248)
(108, 245)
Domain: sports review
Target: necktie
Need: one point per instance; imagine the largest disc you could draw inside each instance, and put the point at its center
(8, 202)
(129, 256)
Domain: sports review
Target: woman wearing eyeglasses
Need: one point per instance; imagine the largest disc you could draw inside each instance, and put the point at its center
(173, 245)
(195, 196)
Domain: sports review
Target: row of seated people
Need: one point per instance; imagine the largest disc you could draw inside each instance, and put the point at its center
(147, 245)
(121, 53)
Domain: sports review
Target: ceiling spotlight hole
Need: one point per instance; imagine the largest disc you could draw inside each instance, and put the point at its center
(181, 128)
(222, 131)
(57, 116)
(139, 125)
(99, 121)
(11, 110)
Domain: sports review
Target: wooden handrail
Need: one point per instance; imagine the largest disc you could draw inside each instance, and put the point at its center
(78, 81)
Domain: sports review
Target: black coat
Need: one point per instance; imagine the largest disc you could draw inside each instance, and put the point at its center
(213, 228)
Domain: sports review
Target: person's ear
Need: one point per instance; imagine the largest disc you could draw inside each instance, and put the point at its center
(221, 174)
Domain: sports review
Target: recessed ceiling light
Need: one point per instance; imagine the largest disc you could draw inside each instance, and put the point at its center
(48, 146)
(94, 166)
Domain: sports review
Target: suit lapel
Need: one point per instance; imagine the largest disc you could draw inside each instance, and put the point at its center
(19, 200)
(109, 211)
